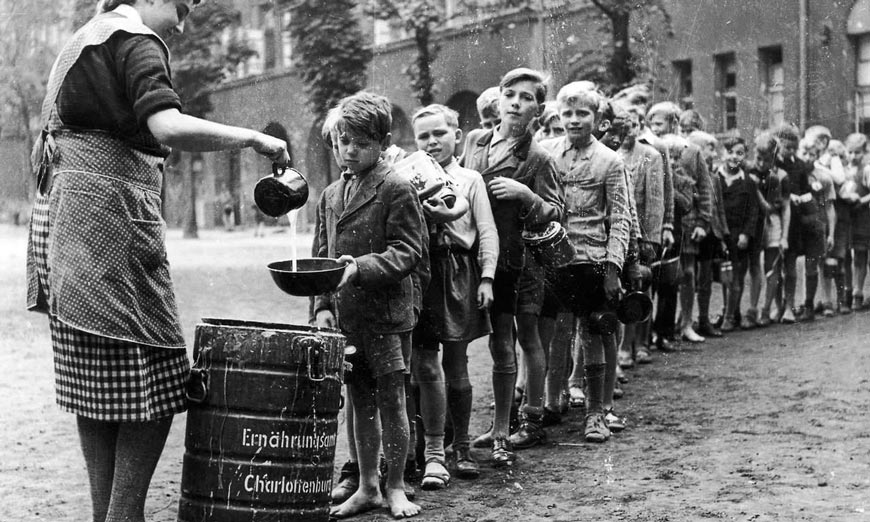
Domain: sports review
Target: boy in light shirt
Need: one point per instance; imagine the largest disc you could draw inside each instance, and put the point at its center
(463, 256)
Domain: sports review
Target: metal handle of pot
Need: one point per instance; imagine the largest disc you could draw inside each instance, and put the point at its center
(276, 168)
(196, 387)
(315, 358)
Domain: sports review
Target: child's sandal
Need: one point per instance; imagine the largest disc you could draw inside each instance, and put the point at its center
(436, 475)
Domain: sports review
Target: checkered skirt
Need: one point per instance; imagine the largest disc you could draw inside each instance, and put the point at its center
(109, 379)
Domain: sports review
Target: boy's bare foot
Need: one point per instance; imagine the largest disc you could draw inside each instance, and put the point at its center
(358, 503)
(399, 504)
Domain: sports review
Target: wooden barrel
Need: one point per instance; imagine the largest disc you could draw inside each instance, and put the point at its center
(262, 424)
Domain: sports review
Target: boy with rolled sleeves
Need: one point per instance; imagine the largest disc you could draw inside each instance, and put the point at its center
(372, 221)
(524, 194)
(598, 223)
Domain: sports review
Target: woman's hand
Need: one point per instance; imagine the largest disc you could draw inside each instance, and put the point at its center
(273, 148)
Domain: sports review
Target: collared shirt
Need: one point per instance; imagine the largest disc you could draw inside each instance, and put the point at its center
(731, 178)
(597, 208)
(500, 147)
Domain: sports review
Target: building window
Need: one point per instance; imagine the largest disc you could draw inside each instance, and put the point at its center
(683, 73)
(862, 83)
(772, 76)
(726, 90)
(286, 41)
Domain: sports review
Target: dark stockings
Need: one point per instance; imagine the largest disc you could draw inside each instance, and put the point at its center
(120, 458)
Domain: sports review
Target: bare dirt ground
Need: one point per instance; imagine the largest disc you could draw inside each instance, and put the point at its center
(764, 425)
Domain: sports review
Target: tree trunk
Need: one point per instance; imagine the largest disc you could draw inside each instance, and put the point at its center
(29, 180)
(621, 68)
(424, 66)
(191, 230)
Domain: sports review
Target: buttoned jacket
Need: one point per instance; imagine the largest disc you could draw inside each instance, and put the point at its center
(382, 227)
(529, 164)
(597, 213)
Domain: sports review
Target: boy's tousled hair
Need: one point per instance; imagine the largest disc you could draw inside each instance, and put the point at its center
(487, 103)
(816, 131)
(522, 74)
(329, 124)
(787, 131)
(451, 117)
(692, 119)
(856, 140)
(732, 141)
(551, 112)
(837, 148)
(670, 111)
(365, 114)
(766, 143)
(702, 139)
(583, 93)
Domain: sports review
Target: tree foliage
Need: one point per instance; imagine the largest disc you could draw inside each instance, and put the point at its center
(199, 60)
(420, 18)
(29, 46)
(623, 65)
(329, 50)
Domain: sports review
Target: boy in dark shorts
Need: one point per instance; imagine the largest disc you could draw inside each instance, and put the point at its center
(598, 223)
(523, 192)
(740, 200)
(463, 255)
(798, 174)
(372, 221)
(817, 220)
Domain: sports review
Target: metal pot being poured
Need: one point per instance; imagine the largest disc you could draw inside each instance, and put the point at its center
(285, 190)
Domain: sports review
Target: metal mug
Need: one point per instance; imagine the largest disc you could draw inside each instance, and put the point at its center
(550, 246)
(285, 190)
(427, 177)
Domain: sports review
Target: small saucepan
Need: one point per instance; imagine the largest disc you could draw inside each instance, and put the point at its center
(285, 190)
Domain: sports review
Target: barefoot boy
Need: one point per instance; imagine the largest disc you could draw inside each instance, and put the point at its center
(523, 193)
(371, 220)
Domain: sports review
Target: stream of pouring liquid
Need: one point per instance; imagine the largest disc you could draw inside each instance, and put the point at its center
(292, 217)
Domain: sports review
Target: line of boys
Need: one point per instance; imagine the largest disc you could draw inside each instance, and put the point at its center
(622, 200)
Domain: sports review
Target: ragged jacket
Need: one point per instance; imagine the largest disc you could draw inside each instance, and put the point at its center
(597, 213)
(383, 228)
(529, 164)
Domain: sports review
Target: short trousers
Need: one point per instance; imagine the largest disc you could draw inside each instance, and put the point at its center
(505, 291)
(813, 241)
(530, 295)
(582, 288)
(861, 228)
(376, 355)
(450, 311)
(710, 248)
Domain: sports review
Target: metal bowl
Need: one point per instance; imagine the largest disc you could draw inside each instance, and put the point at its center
(313, 276)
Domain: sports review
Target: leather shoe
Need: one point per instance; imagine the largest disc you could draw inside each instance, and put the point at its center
(664, 344)
(690, 335)
(706, 329)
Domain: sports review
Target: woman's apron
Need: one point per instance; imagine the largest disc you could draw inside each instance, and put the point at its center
(96, 254)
